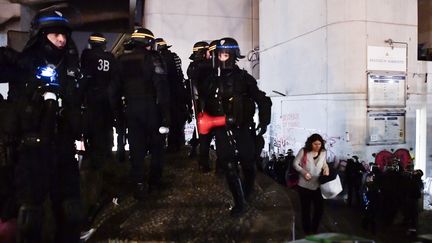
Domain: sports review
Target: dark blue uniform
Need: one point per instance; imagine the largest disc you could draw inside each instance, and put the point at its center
(198, 72)
(178, 99)
(100, 69)
(234, 94)
(144, 85)
(48, 120)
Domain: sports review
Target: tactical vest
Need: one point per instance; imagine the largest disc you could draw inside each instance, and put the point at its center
(230, 96)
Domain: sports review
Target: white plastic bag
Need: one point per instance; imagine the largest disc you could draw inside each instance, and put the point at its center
(331, 188)
(428, 186)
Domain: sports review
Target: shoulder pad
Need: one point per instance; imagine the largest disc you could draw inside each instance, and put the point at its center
(246, 76)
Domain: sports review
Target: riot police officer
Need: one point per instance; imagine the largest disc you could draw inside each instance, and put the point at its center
(205, 69)
(233, 94)
(178, 92)
(99, 69)
(144, 85)
(198, 71)
(8, 134)
(8, 61)
(48, 125)
(8, 207)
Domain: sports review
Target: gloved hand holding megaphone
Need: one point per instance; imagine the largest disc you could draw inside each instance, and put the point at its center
(206, 122)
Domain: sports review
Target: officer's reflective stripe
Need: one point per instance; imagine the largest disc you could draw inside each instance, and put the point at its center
(199, 47)
(53, 19)
(141, 35)
(97, 39)
(227, 47)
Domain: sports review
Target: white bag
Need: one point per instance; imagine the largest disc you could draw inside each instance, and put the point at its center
(331, 188)
(428, 186)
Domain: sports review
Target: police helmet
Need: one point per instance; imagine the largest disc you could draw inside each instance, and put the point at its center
(49, 22)
(213, 54)
(160, 44)
(229, 45)
(96, 40)
(142, 36)
(199, 50)
(46, 22)
(212, 46)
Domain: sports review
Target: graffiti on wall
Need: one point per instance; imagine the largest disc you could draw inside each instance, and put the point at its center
(287, 133)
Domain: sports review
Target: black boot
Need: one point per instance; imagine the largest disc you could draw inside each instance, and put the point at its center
(192, 152)
(236, 189)
(249, 186)
(219, 171)
(204, 166)
(194, 144)
(139, 192)
(249, 172)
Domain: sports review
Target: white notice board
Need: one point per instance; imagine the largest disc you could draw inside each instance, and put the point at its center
(386, 58)
(386, 90)
(386, 127)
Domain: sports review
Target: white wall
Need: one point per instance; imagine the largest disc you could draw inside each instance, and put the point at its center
(315, 52)
(183, 22)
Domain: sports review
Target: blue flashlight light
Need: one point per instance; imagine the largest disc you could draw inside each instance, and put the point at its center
(48, 75)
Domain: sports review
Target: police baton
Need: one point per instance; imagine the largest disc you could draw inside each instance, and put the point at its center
(194, 97)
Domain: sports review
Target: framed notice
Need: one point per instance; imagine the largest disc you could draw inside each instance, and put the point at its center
(386, 90)
(386, 58)
(386, 127)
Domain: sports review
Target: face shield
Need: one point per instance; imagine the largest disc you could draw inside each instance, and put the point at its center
(226, 59)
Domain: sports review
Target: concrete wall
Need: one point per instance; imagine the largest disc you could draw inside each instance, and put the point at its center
(315, 52)
(183, 22)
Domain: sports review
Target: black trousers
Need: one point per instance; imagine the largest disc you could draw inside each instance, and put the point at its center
(176, 136)
(242, 140)
(204, 142)
(48, 170)
(312, 209)
(98, 132)
(143, 121)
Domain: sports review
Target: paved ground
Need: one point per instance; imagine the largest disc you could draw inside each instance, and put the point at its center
(194, 207)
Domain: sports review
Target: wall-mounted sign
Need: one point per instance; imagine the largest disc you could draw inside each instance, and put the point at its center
(386, 90)
(386, 127)
(386, 58)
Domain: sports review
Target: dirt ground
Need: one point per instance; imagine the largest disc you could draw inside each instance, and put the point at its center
(194, 207)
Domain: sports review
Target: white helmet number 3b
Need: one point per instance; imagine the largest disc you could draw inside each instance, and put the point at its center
(103, 65)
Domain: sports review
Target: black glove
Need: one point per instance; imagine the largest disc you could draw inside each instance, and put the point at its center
(166, 115)
(261, 129)
(189, 118)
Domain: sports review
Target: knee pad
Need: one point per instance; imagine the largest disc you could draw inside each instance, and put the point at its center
(30, 220)
(73, 211)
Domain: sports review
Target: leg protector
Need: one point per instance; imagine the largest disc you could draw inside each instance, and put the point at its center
(69, 221)
(235, 186)
(30, 220)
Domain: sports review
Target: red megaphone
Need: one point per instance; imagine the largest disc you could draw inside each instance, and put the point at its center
(207, 122)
